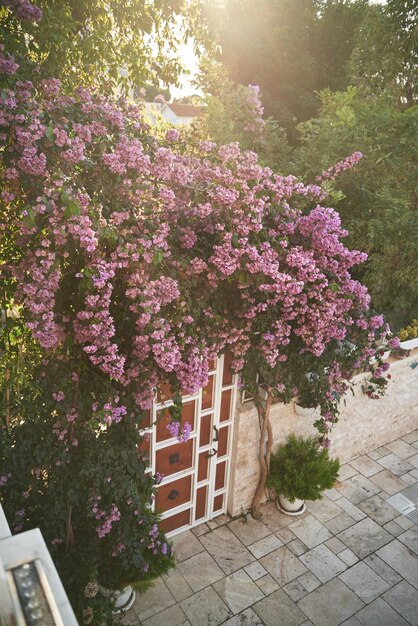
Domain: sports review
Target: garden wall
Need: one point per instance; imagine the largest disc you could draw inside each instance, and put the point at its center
(364, 424)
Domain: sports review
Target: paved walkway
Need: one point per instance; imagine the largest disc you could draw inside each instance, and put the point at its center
(351, 559)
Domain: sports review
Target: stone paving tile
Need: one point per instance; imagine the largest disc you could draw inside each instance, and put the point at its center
(267, 584)
(255, 570)
(309, 581)
(200, 571)
(346, 471)
(411, 437)
(395, 465)
(324, 509)
(246, 618)
(408, 479)
(351, 510)
(366, 584)
(383, 569)
(264, 546)
(297, 547)
(401, 448)
(383, 451)
(130, 619)
(249, 531)
(283, 565)
(186, 545)
(310, 531)
(278, 606)
(177, 585)
(228, 551)
(389, 482)
(205, 608)
(374, 454)
(323, 563)
(332, 494)
(364, 537)
(335, 545)
(348, 557)
(402, 560)
(404, 522)
(352, 621)
(201, 529)
(410, 539)
(404, 599)
(238, 591)
(365, 465)
(393, 528)
(273, 518)
(340, 523)
(330, 604)
(295, 590)
(379, 613)
(359, 488)
(379, 510)
(173, 616)
(229, 567)
(154, 600)
(285, 535)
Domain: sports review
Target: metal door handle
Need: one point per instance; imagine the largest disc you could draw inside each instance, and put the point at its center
(210, 454)
(216, 437)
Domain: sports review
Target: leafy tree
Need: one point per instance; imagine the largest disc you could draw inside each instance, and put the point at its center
(233, 113)
(386, 54)
(380, 204)
(291, 48)
(89, 41)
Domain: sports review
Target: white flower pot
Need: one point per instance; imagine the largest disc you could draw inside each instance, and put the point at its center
(123, 598)
(297, 507)
(306, 411)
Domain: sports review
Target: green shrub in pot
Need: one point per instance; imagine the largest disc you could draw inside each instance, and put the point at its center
(301, 469)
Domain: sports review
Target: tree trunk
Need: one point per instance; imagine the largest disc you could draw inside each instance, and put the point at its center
(265, 453)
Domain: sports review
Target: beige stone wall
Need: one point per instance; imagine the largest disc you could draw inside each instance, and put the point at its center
(364, 424)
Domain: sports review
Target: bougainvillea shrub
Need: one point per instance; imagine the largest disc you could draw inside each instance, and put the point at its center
(128, 260)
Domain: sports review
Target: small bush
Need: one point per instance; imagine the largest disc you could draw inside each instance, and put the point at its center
(302, 469)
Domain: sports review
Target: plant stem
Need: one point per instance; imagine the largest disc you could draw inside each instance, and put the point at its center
(265, 453)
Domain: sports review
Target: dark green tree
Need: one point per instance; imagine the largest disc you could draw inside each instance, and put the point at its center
(380, 204)
(385, 57)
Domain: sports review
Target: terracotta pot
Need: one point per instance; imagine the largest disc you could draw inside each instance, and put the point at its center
(123, 598)
(297, 507)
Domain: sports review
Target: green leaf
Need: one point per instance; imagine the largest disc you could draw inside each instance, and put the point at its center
(49, 133)
(334, 287)
(158, 257)
(29, 219)
(65, 198)
(73, 208)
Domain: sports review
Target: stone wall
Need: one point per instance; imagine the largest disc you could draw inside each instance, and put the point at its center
(364, 424)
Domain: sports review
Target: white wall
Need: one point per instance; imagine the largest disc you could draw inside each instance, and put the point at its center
(364, 424)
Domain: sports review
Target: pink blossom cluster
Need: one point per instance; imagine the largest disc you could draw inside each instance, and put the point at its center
(334, 170)
(24, 9)
(163, 258)
(7, 63)
(108, 517)
(181, 431)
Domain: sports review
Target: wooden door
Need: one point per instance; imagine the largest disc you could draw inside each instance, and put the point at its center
(195, 473)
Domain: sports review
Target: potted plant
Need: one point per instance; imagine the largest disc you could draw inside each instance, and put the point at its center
(300, 470)
(305, 402)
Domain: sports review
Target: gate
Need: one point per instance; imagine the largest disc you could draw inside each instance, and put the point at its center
(196, 472)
